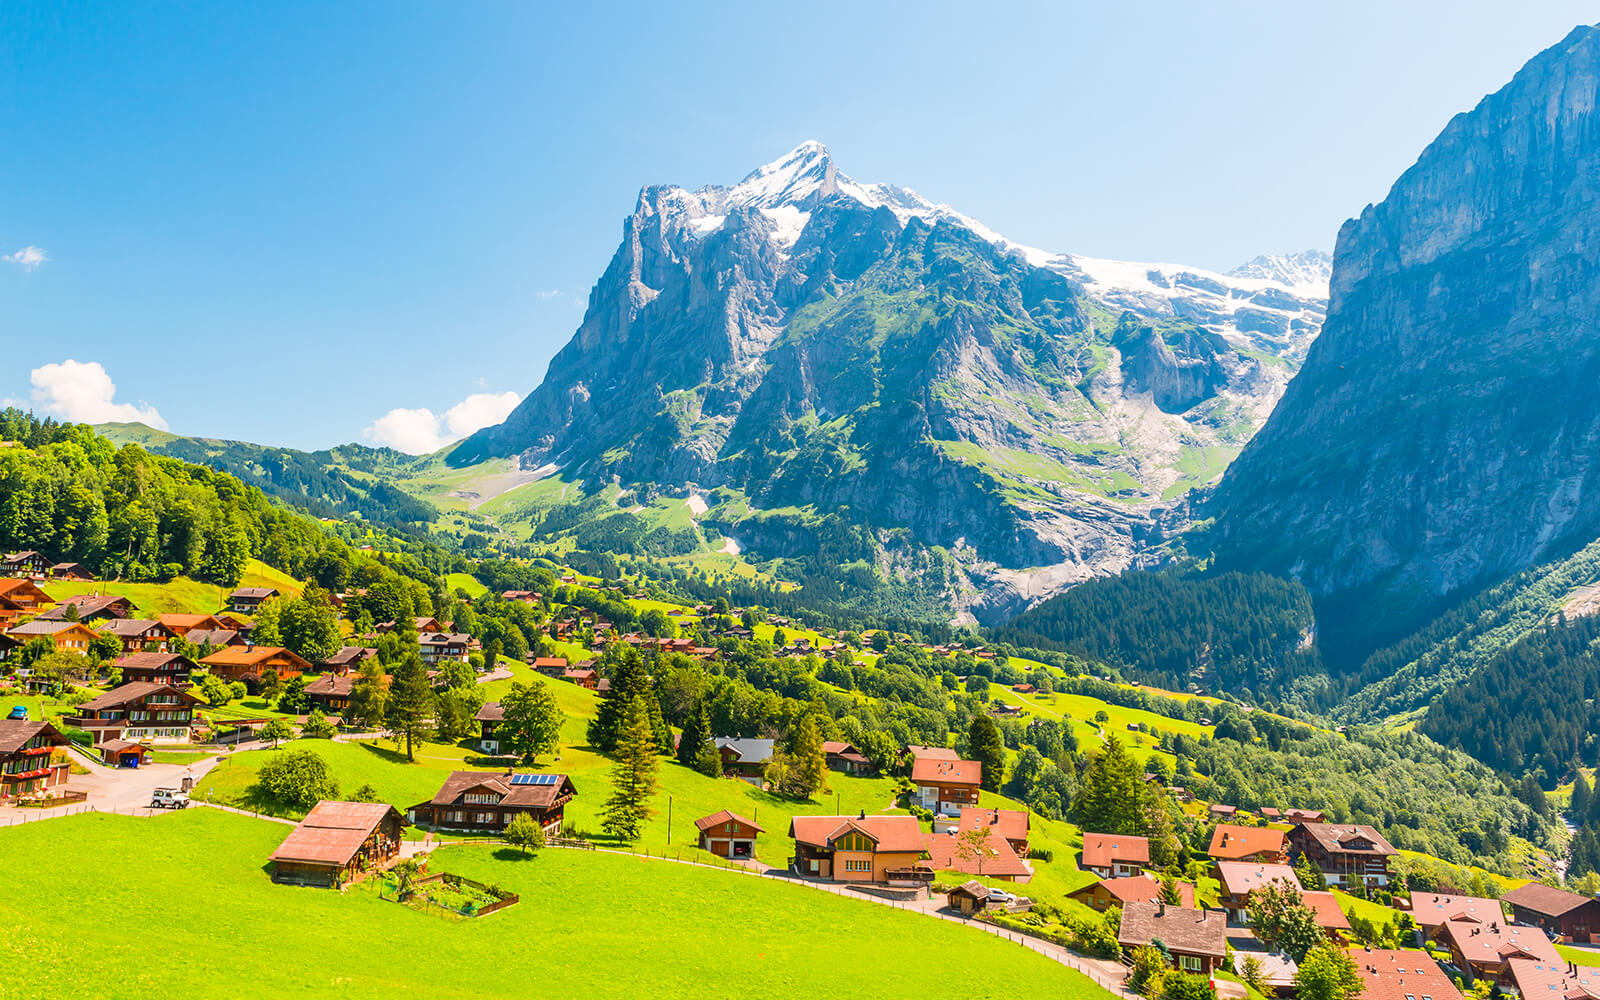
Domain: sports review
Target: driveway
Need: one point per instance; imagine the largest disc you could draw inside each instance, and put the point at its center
(129, 790)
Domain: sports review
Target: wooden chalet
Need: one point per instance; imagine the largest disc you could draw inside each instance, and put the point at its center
(1562, 980)
(1240, 878)
(728, 835)
(248, 600)
(524, 596)
(1557, 911)
(428, 623)
(584, 678)
(1432, 910)
(1230, 842)
(181, 624)
(331, 693)
(1011, 825)
(1346, 854)
(846, 759)
(25, 752)
(70, 637)
(881, 849)
(89, 608)
(1486, 950)
(139, 635)
(479, 800)
(139, 712)
(1115, 855)
(1398, 975)
(24, 564)
(969, 898)
(443, 647)
(247, 663)
(1109, 892)
(745, 759)
(7, 646)
(156, 668)
(550, 666)
(489, 718)
(20, 598)
(994, 858)
(945, 787)
(347, 660)
(216, 638)
(76, 572)
(336, 842)
(1197, 940)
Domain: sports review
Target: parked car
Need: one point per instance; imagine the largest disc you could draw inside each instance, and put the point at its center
(18, 712)
(169, 798)
(1001, 896)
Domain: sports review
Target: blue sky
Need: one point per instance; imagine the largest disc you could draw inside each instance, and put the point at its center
(279, 225)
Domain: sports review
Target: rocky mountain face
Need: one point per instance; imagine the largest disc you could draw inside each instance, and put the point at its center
(803, 341)
(1445, 429)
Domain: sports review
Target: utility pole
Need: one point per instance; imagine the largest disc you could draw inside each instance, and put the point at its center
(669, 819)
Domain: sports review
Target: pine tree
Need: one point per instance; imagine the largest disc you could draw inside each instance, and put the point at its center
(633, 775)
(695, 747)
(369, 696)
(1109, 802)
(625, 668)
(986, 746)
(1578, 810)
(410, 712)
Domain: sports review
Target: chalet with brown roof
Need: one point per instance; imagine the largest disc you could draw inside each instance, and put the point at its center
(1432, 909)
(216, 638)
(347, 660)
(336, 842)
(1486, 950)
(121, 753)
(90, 608)
(1402, 975)
(20, 598)
(1218, 810)
(331, 692)
(584, 678)
(994, 858)
(139, 635)
(139, 712)
(550, 666)
(846, 759)
(489, 718)
(917, 752)
(1197, 940)
(428, 623)
(1558, 981)
(1114, 855)
(728, 835)
(249, 663)
(968, 898)
(70, 637)
(1304, 816)
(525, 596)
(1230, 842)
(1011, 825)
(24, 564)
(183, 624)
(76, 572)
(1109, 892)
(1240, 878)
(156, 668)
(883, 849)
(1346, 854)
(25, 752)
(477, 800)
(1558, 911)
(248, 600)
(443, 647)
(945, 787)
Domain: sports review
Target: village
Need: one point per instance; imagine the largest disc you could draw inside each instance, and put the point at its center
(1252, 913)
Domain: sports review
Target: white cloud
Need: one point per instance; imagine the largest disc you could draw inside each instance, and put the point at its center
(417, 432)
(83, 393)
(27, 258)
(548, 293)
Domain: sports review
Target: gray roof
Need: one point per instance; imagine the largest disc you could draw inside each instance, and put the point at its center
(751, 751)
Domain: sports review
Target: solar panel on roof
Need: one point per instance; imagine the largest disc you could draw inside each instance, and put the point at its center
(533, 779)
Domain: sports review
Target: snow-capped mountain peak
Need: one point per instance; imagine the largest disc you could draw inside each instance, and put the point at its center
(1308, 269)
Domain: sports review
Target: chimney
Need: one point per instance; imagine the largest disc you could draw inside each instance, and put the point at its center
(1161, 907)
(863, 814)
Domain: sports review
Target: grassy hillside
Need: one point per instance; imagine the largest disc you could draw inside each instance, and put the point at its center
(579, 930)
(180, 595)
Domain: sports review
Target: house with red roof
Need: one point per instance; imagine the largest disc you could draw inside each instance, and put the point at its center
(1115, 855)
(336, 842)
(993, 858)
(945, 787)
(1010, 825)
(1109, 892)
(1403, 975)
(879, 849)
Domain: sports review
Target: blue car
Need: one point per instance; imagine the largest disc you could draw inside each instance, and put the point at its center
(18, 712)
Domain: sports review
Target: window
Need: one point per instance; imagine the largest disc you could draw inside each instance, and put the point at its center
(1192, 964)
(858, 866)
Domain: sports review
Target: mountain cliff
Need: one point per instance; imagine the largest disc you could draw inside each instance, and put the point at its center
(802, 341)
(1445, 430)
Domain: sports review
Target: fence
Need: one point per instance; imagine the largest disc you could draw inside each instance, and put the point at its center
(415, 898)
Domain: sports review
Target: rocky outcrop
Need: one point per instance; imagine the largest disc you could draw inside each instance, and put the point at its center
(861, 353)
(1445, 428)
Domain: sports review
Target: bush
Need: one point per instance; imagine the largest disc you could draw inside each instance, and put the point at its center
(1041, 854)
(295, 779)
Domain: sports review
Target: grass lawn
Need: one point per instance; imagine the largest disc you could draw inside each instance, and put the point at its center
(580, 929)
(466, 582)
(177, 596)
(1582, 956)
